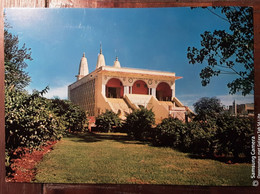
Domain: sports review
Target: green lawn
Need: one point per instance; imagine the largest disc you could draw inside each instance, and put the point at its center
(114, 158)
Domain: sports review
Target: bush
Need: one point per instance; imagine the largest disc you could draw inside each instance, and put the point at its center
(169, 133)
(139, 123)
(234, 135)
(73, 117)
(107, 120)
(29, 120)
(196, 137)
(225, 135)
(200, 137)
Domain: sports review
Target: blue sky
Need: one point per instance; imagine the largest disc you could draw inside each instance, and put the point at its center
(147, 38)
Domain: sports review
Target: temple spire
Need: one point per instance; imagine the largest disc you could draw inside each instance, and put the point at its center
(117, 63)
(83, 67)
(101, 59)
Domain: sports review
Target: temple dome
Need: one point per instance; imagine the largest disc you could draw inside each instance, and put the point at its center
(117, 63)
(83, 67)
(100, 60)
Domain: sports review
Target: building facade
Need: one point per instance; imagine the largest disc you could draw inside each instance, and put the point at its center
(123, 90)
(241, 109)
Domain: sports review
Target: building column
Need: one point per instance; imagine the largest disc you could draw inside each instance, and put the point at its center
(173, 90)
(104, 89)
(153, 92)
(126, 90)
(173, 93)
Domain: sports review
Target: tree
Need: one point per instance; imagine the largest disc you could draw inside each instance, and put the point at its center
(207, 108)
(15, 58)
(228, 52)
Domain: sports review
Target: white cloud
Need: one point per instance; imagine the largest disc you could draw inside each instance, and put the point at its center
(79, 26)
(26, 17)
(61, 92)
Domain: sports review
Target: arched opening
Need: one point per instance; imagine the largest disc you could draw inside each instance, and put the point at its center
(140, 87)
(163, 92)
(114, 88)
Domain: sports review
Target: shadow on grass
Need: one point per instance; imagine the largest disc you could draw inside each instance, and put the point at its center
(83, 137)
(89, 137)
(228, 160)
(97, 137)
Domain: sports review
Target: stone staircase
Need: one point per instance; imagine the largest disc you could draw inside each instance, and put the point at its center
(162, 109)
(167, 104)
(139, 99)
(119, 105)
(176, 112)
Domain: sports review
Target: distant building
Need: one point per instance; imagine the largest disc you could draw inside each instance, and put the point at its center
(123, 89)
(241, 109)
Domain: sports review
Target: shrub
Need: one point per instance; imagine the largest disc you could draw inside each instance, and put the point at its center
(29, 121)
(73, 117)
(170, 132)
(139, 123)
(107, 120)
(234, 135)
(201, 137)
(191, 129)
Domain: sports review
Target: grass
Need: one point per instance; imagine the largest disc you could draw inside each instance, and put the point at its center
(114, 158)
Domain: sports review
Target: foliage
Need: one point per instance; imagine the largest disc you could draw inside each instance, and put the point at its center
(108, 120)
(220, 136)
(29, 122)
(74, 118)
(234, 135)
(228, 52)
(15, 57)
(170, 132)
(207, 108)
(139, 122)
(201, 137)
(196, 137)
(192, 128)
